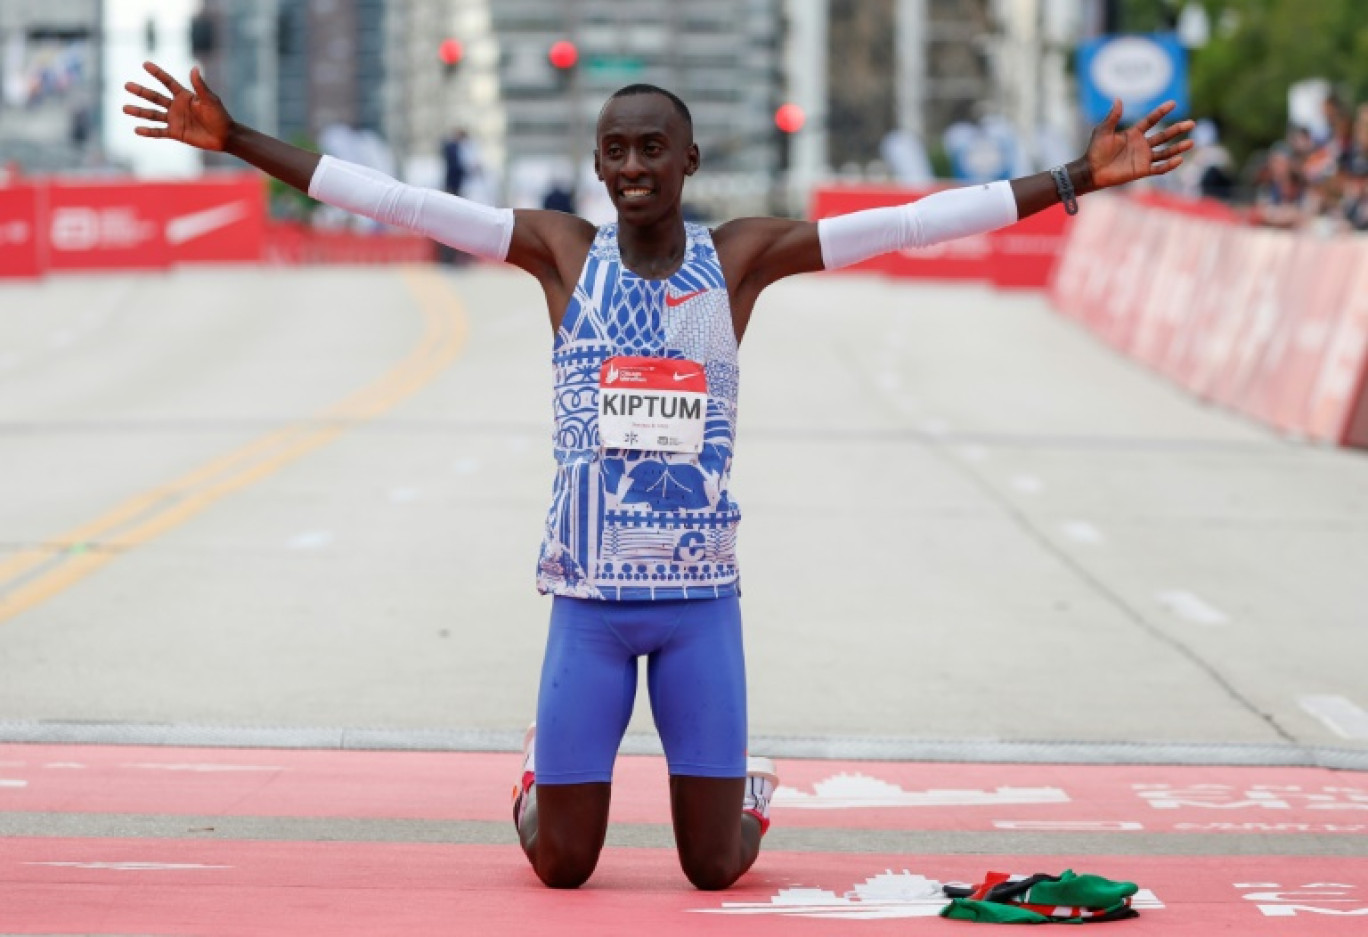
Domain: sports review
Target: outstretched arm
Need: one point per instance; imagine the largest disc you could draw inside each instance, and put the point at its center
(1114, 157)
(761, 251)
(198, 118)
(549, 245)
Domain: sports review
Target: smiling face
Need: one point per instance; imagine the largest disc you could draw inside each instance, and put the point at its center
(645, 149)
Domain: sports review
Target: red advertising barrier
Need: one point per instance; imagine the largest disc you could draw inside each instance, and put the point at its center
(1338, 405)
(299, 244)
(1295, 363)
(19, 235)
(1269, 323)
(1208, 208)
(215, 220)
(1025, 254)
(104, 226)
(65, 225)
(121, 225)
(1020, 256)
(1079, 273)
(964, 259)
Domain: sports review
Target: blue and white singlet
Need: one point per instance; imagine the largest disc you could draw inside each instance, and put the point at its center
(642, 524)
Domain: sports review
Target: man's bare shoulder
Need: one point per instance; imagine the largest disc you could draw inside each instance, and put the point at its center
(550, 245)
(759, 226)
(554, 225)
(767, 249)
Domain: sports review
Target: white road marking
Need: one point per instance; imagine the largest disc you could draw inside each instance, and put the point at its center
(206, 768)
(311, 540)
(847, 791)
(1189, 606)
(888, 895)
(1070, 826)
(1082, 532)
(1339, 714)
(1028, 484)
(403, 495)
(133, 866)
(6, 782)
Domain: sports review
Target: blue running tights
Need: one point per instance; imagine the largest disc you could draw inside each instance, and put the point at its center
(696, 675)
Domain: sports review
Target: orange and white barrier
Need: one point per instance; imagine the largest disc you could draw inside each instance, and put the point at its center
(1270, 323)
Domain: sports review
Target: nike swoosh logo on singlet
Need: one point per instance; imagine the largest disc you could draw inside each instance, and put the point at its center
(673, 301)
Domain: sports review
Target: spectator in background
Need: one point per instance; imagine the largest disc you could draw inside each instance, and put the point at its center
(1354, 204)
(456, 160)
(1208, 172)
(1337, 123)
(1321, 182)
(559, 197)
(1281, 198)
(1351, 208)
(1322, 162)
(1355, 158)
(1300, 143)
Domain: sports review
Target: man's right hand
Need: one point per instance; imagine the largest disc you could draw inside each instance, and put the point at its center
(196, 118)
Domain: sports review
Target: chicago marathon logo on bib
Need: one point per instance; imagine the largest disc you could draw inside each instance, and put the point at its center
(652, 404)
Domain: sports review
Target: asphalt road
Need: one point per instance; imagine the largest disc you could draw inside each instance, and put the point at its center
(269, 637)
(310, 501)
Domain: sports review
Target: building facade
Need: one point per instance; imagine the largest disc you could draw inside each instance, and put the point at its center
(721, 56)
(992, 72)
(294, 67)
(50, 84)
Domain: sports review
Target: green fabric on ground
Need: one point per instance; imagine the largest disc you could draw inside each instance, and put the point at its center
(989, 912)
(1084, 891)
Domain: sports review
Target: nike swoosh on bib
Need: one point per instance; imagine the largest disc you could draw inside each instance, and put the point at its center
(673, 301)
(198, 224)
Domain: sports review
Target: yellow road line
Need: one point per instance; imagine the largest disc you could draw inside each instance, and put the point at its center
(148, 515)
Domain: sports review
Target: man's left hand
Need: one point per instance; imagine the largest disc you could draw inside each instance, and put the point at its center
(1116, 156)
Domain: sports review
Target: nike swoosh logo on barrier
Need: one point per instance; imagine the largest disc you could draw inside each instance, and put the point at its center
(673, 301)
(198, 224)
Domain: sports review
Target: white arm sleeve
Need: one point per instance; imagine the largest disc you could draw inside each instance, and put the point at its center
(942, 216)
(458, 222)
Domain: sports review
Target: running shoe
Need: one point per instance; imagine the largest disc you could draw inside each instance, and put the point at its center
(761, 782)
(523, 787)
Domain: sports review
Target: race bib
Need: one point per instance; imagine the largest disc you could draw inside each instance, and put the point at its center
(655, 404)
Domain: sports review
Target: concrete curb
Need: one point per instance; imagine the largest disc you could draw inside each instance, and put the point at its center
(992, 751)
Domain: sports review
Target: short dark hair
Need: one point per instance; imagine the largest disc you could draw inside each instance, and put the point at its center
(642, 88)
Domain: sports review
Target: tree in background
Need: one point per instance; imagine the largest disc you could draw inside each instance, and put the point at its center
(1258, 49)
